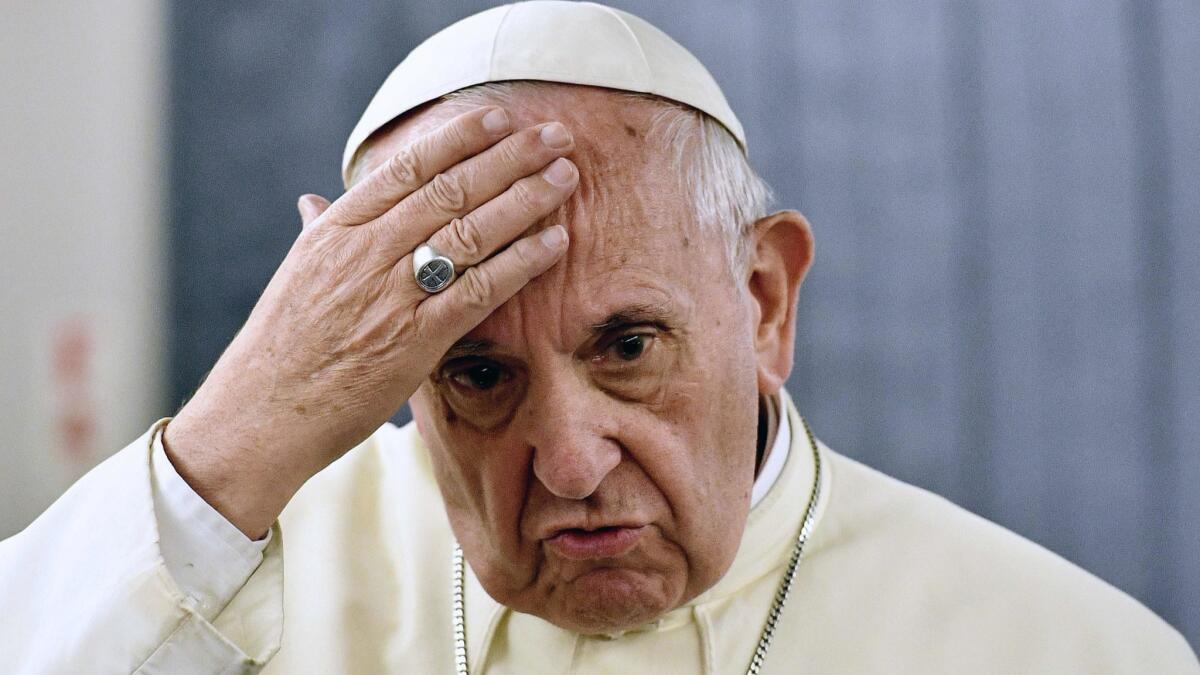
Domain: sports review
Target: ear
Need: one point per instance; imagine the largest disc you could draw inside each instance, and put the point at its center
(782, 254)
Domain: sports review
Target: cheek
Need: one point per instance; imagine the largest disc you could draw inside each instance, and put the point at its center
(710, 473)
(453, 476)
(732, 421)
(481, 476)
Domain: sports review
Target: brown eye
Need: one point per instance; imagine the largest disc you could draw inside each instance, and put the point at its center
(630, 347)
(481, 377)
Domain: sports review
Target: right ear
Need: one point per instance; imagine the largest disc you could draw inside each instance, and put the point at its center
(311, 207)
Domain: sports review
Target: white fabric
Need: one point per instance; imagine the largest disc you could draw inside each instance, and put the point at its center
(210, 559)
(84, 589)
(776, 458)
(894, 580)
(549, 40)
(204, 553)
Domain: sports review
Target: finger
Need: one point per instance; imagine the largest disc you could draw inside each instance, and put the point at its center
(474, 237)
(471, 183)
(417, 163)
(449, 315)
(311, 207)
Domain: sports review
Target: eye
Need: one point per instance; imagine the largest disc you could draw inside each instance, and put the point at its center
(630, 347)
(481, 376)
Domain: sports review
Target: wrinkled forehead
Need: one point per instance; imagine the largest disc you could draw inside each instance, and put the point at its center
(632, 227)
(602, 112)
(626, 147)
(622, 145)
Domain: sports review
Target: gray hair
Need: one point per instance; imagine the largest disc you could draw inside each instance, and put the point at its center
(729, 196)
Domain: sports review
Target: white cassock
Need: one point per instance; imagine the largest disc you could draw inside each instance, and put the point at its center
(356, 578)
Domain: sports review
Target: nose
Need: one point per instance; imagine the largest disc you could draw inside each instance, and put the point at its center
(573, 447)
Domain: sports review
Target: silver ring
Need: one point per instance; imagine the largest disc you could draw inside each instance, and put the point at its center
(432, 270)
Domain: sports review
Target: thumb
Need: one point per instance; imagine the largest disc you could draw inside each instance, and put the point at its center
(311, 207)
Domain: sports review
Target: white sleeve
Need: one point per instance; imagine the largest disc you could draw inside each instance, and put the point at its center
(86, 587)
(205, 554)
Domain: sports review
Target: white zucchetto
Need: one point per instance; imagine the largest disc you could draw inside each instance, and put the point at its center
(550, 40)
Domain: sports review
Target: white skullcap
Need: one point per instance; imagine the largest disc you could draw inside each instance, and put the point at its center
(550, 40)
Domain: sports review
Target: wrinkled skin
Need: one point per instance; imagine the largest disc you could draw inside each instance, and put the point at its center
(342, 335)
(620, 388)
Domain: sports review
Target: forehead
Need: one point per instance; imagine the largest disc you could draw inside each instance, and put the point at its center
(619, 148)
(634, 239)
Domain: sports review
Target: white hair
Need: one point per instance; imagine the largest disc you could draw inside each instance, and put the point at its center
(728, 195)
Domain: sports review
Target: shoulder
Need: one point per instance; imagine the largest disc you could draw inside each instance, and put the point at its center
(391, 464)
(367, 551)
(937, 564)
(377, 504)
(370, 523)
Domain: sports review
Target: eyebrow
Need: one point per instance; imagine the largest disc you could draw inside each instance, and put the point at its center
(633, 315)
(655, 314)
(468, 347)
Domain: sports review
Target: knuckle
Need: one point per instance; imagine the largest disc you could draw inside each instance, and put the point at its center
(478, 288)
(465, 236)
(456, 134)
(527, 196)
(515, 152)
(446, 193)
(405, 167)
(521, 252)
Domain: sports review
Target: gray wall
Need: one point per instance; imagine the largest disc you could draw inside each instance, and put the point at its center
(1004, 307)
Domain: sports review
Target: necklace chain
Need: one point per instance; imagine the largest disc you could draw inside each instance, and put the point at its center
(785, 587)
(458, 574)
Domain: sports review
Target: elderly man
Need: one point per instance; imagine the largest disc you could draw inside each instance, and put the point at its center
(553, 247)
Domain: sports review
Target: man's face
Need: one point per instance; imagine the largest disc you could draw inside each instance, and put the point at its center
(594, 439)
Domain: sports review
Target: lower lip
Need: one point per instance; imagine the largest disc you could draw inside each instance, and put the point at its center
(604, 543)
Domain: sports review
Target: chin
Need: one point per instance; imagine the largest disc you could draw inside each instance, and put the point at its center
(610, 600)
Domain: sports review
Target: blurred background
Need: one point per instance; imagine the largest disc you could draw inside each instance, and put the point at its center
(1004, 309)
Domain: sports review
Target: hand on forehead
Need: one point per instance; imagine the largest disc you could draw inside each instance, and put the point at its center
(630, 205)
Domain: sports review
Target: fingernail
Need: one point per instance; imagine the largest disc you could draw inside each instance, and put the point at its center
(554, 135)
(496, 121)
(559, 172)
(553, 237)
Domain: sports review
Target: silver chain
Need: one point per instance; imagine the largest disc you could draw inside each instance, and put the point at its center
(785, 587)
(458, 573)
(460, 609)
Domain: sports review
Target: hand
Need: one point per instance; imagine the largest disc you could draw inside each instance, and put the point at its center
(342, 335)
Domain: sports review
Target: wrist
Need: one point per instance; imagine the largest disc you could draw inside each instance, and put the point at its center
(230, 470)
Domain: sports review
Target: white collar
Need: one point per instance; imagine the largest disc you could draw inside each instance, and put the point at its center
(775, 459)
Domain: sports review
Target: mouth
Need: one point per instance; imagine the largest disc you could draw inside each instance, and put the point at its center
(603, 542)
